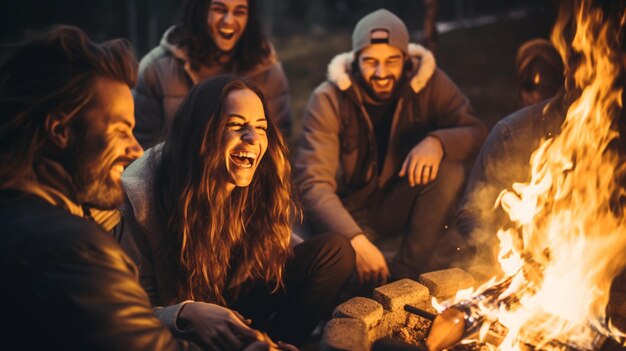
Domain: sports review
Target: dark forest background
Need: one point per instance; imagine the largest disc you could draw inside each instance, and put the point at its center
(476, 46)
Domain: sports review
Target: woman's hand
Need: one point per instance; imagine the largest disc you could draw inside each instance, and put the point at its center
(217, 327)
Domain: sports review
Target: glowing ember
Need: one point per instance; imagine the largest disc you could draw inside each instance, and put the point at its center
(569, 238)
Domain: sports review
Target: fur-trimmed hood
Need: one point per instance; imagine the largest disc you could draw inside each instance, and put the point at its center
(340, 66)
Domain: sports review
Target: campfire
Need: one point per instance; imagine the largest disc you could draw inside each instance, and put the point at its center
(568, 238)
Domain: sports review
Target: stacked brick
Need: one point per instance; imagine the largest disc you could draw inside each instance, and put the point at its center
(360, 321)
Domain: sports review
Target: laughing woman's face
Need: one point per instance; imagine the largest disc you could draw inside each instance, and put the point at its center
(245, 140)
(227, 21)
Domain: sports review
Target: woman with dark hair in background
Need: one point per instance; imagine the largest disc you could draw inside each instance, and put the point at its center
(211, 37)
(208, 218)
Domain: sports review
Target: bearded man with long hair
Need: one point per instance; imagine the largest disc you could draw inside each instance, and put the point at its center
(208, 221)
(65, 138)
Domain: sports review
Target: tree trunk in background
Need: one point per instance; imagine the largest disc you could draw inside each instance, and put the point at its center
(430, 25)
(131, 15)
(267, 9)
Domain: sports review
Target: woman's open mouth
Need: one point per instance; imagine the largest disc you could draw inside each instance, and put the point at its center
(226, 33)
(244, 159)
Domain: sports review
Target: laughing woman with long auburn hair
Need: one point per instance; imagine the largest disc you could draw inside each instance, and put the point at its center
(208, 221)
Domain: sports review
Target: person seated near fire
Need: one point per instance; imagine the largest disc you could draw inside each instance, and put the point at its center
(208, 221)
(505, 157)
(382, 150)
(539, 71)
(65, 138)
(211, 37)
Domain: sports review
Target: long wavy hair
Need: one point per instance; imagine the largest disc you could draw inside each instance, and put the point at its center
(192, 33)
(218, 240)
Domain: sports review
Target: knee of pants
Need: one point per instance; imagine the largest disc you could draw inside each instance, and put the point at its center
(451, 178)
(339, 252)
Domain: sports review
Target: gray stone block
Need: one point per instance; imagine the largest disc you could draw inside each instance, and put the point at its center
(345, 334)
(445, 283)
(395, 295)
(362, 308)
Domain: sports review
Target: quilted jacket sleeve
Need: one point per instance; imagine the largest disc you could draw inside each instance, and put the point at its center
(317, 164)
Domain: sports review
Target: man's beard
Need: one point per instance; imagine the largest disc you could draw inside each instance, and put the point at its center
(91, 174)
(384, 95)
(369, 90)
(378, 97)
(96, 188)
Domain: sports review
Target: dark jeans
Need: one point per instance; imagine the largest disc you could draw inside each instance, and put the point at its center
(423, 215)
(314, 276)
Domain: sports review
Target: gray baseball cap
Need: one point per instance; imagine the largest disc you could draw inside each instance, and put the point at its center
(371, 29)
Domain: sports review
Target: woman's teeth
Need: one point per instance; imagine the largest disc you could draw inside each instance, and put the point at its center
(227, 33)
(243, 158)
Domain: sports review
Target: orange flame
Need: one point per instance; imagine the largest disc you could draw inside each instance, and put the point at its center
(569, 240)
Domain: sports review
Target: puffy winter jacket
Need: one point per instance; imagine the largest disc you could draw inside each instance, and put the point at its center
(337, 156)
(164, 81)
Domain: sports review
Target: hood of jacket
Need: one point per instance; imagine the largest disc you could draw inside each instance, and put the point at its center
(339, 69)
(175, 50)
(137, 181)
(181, 53)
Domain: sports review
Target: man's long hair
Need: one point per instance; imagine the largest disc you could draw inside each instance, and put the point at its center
(52, 72)
(216, 240)
(192, 33)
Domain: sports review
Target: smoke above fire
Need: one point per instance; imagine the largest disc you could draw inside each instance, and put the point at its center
(567, 241)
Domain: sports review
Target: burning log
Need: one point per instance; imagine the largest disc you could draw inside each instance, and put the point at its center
(566, 240)
(465, 318)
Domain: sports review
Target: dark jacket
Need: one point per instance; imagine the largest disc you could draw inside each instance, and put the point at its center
(337, 153)
(504, 160)
(67, 285)
(165, 78)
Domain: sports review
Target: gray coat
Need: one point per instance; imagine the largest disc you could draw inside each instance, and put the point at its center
(141, 238)
(165, 79)
(328, 154)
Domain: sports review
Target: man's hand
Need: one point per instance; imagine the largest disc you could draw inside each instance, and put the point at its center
(217, 327)
(422, 163)
(371, 267)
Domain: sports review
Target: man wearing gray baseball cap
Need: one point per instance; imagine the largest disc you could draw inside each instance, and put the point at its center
(383, 147)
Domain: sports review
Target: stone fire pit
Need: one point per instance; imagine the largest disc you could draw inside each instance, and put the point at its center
(360, 321)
